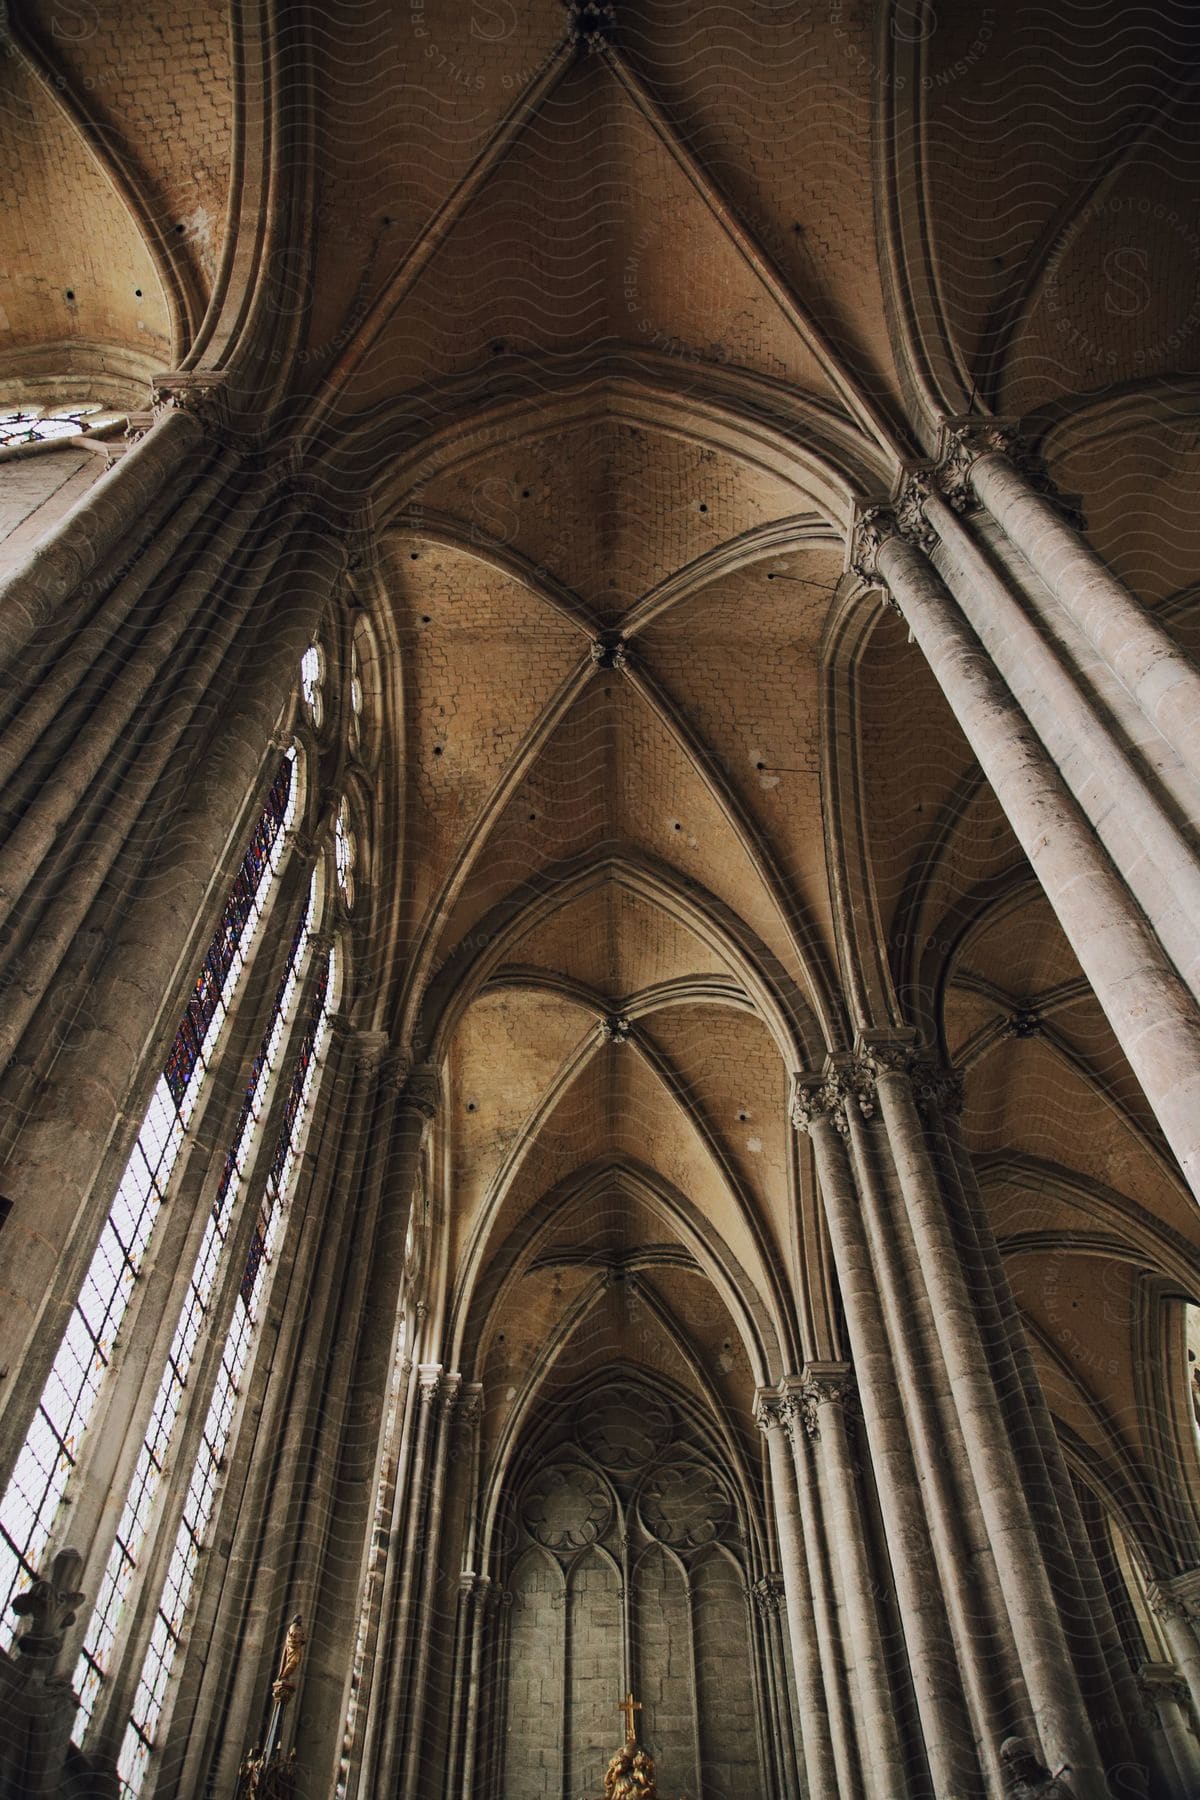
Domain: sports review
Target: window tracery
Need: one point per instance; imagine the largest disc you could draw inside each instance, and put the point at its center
(39, 424)
(200, 1500)
(312, 683)
(345, 852)
(72, 1390)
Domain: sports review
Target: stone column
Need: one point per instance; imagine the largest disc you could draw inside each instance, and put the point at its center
(818, 1109)
(427, 1548)
(65, 672)
(827, 1390)
(1145, 659)
(37, 1704)
(479, 1601)
(1175, 1602)
(824, 1582)
(1062, 1719)
(1155, 1018)
(109, 514)
(1133, 823)
(51, 1170)
(816, 1743)
(1168, 1708)
(767, 1593)
(1083, 1600)
(392, 1704)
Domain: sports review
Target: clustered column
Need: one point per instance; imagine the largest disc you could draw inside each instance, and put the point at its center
(1053, 738)
(985, 1597)
(167, 614)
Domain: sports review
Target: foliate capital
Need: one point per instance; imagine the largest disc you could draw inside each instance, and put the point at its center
(429, 1384)
(1176, 1596)
(816, 1098)
(767, 1594)
(909, 511)
(939, 1092)
(771, 1411)
(823, 1385)
(964, 441)
(470, 1404)
(420, 1091)
(204, 397)
(872, 529)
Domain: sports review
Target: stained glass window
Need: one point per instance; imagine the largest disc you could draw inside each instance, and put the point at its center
(202, 1487)
(345, 849)
(39, 1481)
(36, 424)
(187, 1342)
(312, 682)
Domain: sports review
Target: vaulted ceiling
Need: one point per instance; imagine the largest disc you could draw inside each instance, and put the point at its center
(609, 338)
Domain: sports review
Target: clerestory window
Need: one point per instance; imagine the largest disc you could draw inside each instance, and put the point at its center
(306, 984)
(31, 1503)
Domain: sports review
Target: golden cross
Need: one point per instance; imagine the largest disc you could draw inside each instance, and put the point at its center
(629, 1706)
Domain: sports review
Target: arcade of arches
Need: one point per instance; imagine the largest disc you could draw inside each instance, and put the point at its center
(600, 900)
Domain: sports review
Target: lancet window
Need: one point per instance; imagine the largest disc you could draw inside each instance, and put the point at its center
(30, 1505)
(254, 1261)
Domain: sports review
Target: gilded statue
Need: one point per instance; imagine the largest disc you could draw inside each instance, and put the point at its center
(284, 1684)
(630, 1775)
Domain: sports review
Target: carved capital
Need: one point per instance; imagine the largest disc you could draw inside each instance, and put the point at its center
(909, 510)
(470, 1404)
(938, 1092)
(421, 1091)
(1159, 1682)
(829, 1384)
(369, 1049)
(50, 1605)
(771, 1411)
(429, 1384)
(767, 1595)
(964, 441)
(1176, 1596)
(816, 1098)
(872, 529)
(449, 1395)
(204, 397)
